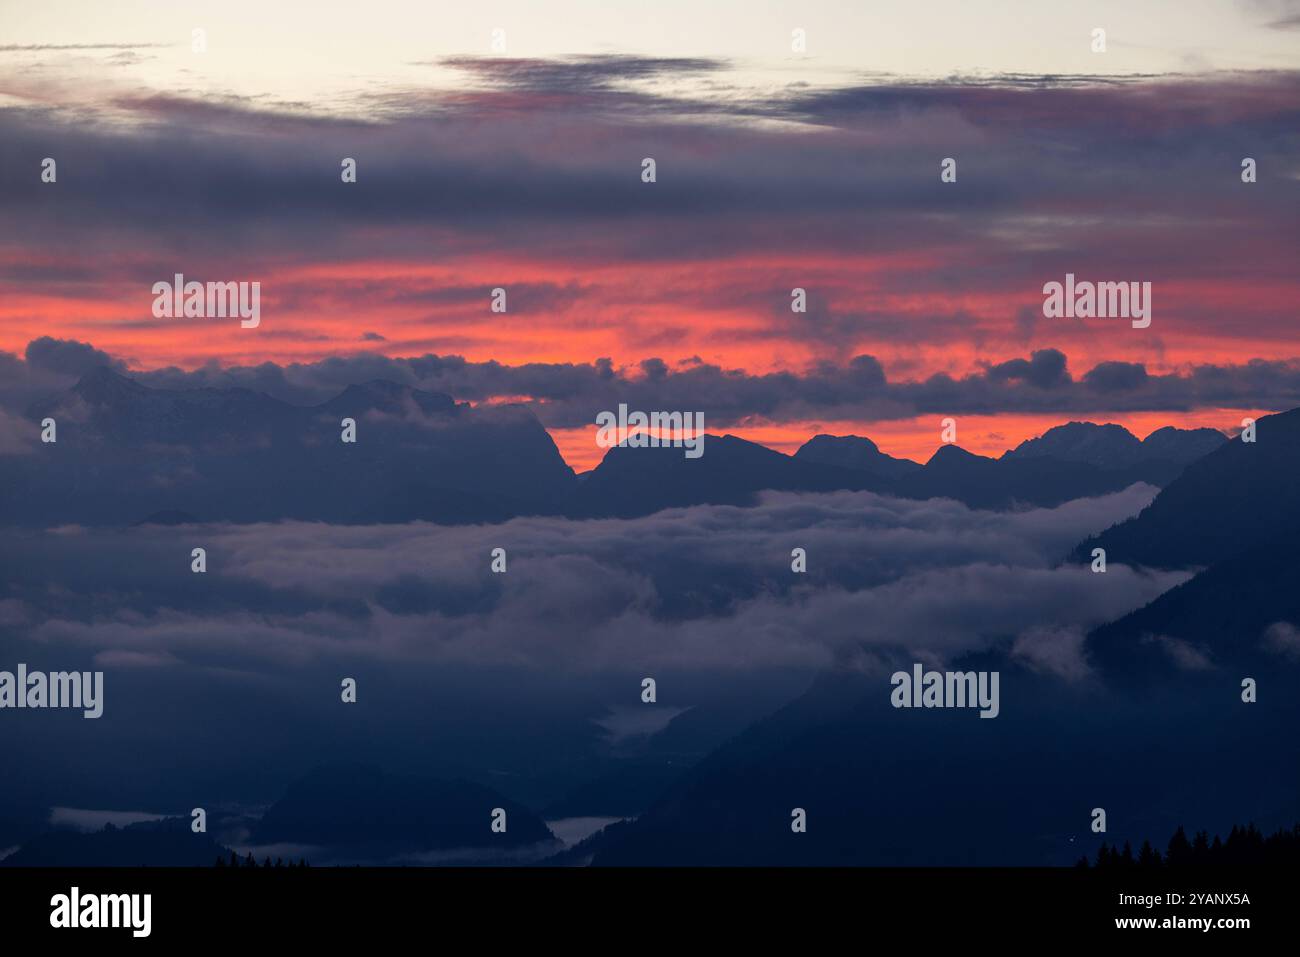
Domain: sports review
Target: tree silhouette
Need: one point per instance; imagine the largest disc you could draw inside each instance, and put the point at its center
(1245, 847)
(1179, 853)
(1201, 848)
(1148, 856)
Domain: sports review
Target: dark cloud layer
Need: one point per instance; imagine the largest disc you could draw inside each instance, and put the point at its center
(565, 395)
(550, 151)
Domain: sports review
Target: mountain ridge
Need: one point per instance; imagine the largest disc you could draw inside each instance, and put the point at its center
(235, 454)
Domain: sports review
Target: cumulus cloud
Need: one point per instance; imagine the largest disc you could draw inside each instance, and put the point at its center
(68, 357)
(569, 394)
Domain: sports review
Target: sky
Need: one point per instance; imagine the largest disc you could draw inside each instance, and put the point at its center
(519, 167)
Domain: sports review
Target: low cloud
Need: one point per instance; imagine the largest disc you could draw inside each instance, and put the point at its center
(1283, 638)
(1184, 654)
(702, 588)
(623, 724)
(88, 819)
(1056, 651)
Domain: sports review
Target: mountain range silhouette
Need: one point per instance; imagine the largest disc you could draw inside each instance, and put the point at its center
(127, 453)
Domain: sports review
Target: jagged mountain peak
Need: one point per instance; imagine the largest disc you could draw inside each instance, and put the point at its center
(103, 384)
(386, 395)
(1105, 445)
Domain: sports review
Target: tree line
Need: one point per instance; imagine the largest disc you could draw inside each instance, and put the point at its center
(1244, 847)
(250, 861)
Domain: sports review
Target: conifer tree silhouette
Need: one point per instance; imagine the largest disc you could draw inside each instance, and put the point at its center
(1179, 853)
(1201, 848)
(1148, 856)
(1245, 847)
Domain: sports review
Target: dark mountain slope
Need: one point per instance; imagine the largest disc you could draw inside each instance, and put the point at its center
(1243, 495)
(630, 482)
(981, 482)
(916, 787)
(1183, 446)
(125, 452)
(638, 481)
(1223, 615)
(166, 843)
(1078, 458)
(363, 807)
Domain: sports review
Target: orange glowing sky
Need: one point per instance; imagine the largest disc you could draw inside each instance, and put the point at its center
(629, 312)
(315, 311)
(523, 172)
